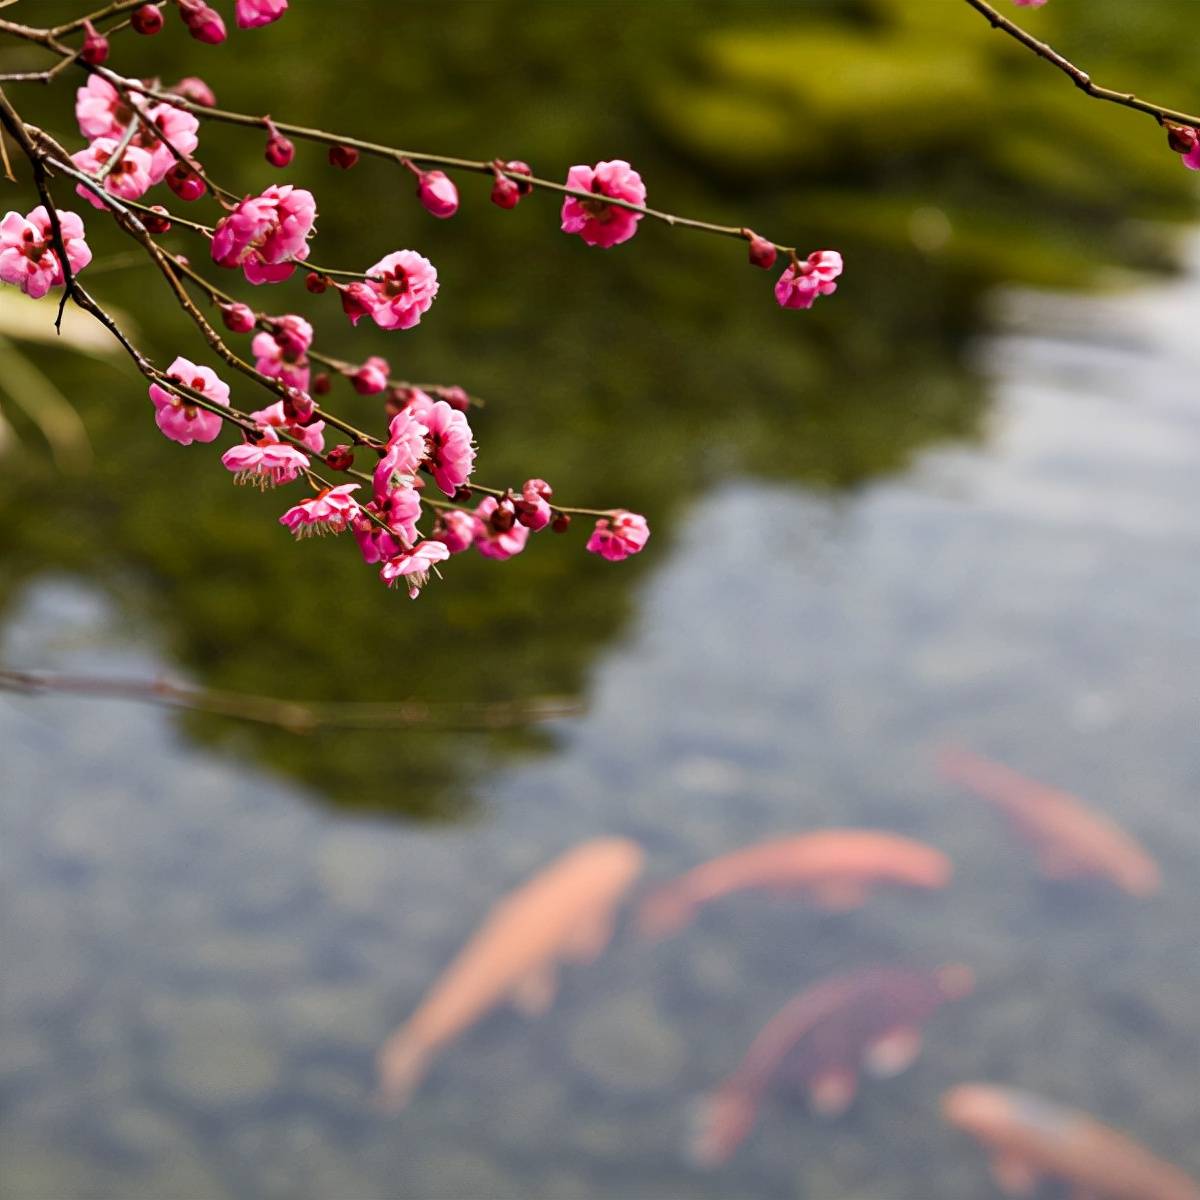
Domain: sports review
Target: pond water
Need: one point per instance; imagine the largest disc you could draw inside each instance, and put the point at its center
(202, 960)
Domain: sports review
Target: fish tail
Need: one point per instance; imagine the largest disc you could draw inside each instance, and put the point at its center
(664, 912)
(720, 1122)
(401, 1066)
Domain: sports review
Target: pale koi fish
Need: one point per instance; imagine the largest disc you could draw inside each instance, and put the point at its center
(865, 1020)
(564, 913)
(1069, 839)
(1031, 1141)
(837, 869)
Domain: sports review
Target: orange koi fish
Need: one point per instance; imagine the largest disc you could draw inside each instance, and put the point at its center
(869, 1019)
(1031, 1140)
(836, 868)
(564, 913)
(1070, 841)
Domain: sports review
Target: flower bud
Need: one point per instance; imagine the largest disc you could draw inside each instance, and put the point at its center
(561, 522)
(463, 494)
(520, 168)
(357, 300)
(147, 20)
(504, 518)
(505, 193)
(455, 396)
(437, 193)
(1181, 138)
(315, 283)
(371, 378)
(321, 384)
(762, 253)
(341, 458)
(160, 223)
(95, 46)
(193, 88)
(237, 317)
(203, 22)
(279, 151)
(342, 156)
(185, 182)
(298, 406)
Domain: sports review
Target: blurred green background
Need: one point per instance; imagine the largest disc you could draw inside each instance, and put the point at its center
(939, 157)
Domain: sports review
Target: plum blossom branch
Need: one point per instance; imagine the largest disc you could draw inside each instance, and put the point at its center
(1077, 75)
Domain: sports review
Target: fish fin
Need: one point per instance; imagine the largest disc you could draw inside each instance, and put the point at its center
(534, 992)
(840, 895)
(400, 1065)
(587, 941)
(720, 1122)
(892, 1053)
(1013, 1175)
(832, 1092)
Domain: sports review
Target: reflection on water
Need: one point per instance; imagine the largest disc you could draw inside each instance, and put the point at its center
(201, 967)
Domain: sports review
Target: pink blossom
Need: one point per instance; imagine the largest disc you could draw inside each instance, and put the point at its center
(203, 22)
(1191, 159)
(451, 456)
(128, 179)
(176, 416)
(275, 417)
(250, 14)
(27, 255)
(413, 566)
(618, 537)
(265, 463)
(406, 450)
(399, 511)
(533, 511)
(330, 511)
(437, 193)
(497, 533)
(100, 110)
(193, 88)
(400, 289)
(177, 127)
(279, 352)
(372, 377)
(264, 234)
(801, 284)
(456, 528)
(601, 224)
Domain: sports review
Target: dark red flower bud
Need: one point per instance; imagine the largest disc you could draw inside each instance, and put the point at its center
(321, 384)
(504, 518)
(95, 46)
(298, 406)
(279, 151)
(237, 317)
(762, 253)
(357, 300)
(520, 168)
(158, 224)
(341, 458)
(147, 20)
(315, 283)
(342, 156)
(185, 182)
(455, 396)
(1181, 138)
(203, 21)
(463, 494)
(505, 193)
(561, 522)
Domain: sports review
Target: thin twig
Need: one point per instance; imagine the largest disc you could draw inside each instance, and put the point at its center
(1079, 77)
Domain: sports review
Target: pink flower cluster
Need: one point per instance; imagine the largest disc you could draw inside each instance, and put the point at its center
(105, 116)
(266, 235)
(281, 353)
(177, 416)
(27, 255)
